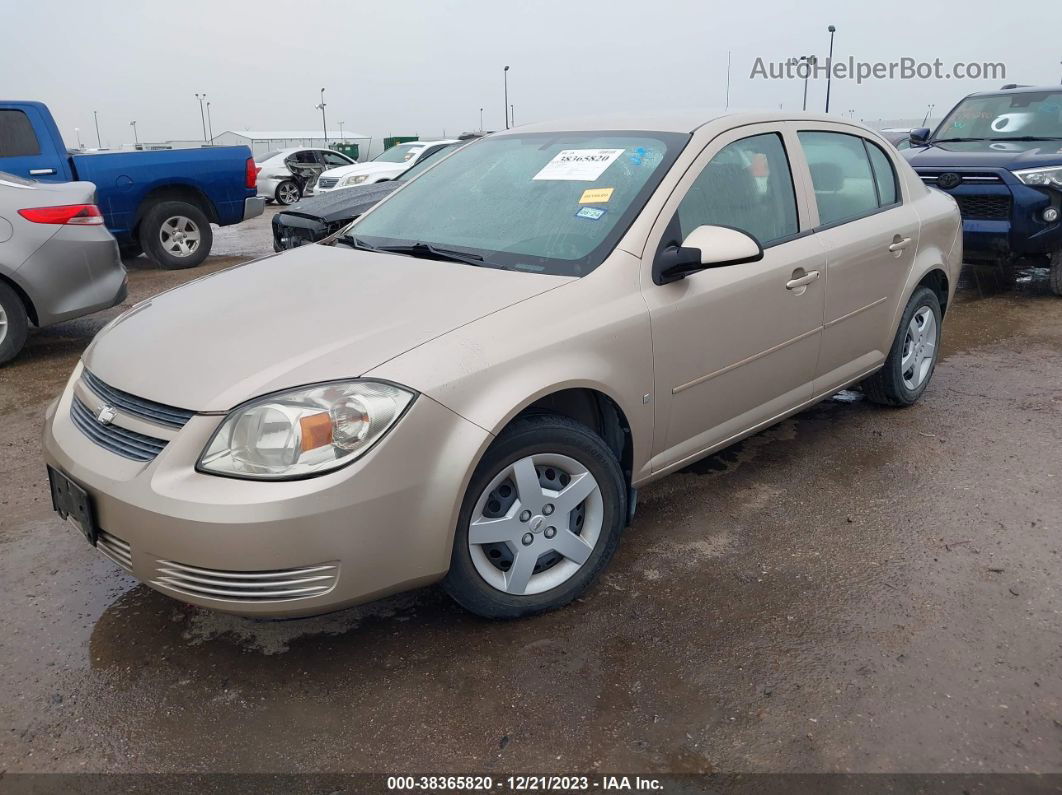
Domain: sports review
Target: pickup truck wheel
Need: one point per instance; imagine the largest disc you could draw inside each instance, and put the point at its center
(13, 324)
(541, 518)
(913, 355)
(287, 192)
(1055, 275)
(176, 235)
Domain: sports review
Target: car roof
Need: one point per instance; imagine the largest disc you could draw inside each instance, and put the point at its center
(681, 121)
(1017, 90)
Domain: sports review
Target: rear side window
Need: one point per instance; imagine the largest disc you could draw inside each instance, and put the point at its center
(846, 185)
(748, 186)
(17, 138)
(884, 174)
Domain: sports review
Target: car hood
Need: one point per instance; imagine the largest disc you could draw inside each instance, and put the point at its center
(313, 314)
(368, 168)
(342, 204)
(986, 154)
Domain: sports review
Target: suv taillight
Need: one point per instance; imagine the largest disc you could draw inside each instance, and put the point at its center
(251, 180)
(72, 214)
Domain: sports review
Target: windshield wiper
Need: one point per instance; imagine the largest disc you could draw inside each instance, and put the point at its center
(428, 251)
(955, 140)
(353, 242)
(1030, 138)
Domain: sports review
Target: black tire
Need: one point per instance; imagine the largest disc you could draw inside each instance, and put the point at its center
(16, 326)
(886, 386)
(130, 250)
(151, 230)
(287, 184)
(540, 433)
(1054, 277)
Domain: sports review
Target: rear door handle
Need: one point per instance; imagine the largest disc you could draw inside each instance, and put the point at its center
(901, 244)
(802, 281)
(40, 172)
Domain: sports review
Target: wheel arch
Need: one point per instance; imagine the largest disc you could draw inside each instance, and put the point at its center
(23, 296)
(175, 192)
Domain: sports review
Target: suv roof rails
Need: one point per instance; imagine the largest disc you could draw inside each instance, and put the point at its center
(1009, 86)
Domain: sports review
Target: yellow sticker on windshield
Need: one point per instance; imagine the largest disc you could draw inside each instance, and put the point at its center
(596, 195)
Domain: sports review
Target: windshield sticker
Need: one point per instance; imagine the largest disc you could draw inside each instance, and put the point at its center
(592, 213)
(583, 165)
(596, 196)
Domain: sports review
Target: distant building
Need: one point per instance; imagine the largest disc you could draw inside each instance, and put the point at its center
(262, 141)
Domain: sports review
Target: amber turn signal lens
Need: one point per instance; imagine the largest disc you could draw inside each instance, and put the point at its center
(316, 431)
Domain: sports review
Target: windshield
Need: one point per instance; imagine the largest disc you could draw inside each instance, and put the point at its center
(399, 153)
(543, 202)
(1033, 114)
(424, 162)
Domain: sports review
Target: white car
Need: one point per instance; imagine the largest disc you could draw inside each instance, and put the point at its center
(387, 165)
(284, 175)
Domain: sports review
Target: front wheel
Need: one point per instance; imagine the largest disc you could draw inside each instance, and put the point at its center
(541, 518)
(13, 323)
(1055, 275)
(913, 355)
(176, 235)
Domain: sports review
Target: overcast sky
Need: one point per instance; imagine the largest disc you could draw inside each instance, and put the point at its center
(422, 67)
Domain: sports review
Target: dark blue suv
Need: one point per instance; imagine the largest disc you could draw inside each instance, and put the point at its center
(999, 155)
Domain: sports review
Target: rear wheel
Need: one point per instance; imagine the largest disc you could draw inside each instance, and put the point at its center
(287, 192)
(14, 324)
(1055, 275)
(541, 518)
(176, 235)
(913, 355)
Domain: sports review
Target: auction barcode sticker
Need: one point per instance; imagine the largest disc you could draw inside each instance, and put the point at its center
(584, 165)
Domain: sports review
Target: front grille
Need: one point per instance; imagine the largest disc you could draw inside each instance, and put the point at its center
(119, 441)
(115, 549)
(930, 176)
(246, 586)
(988, 208)
(149, 410)
(327, 182)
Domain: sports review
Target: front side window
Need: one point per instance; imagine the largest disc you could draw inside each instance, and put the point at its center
(541, 202)
(841, 174)
(334, 159)
(17, 138)
(748, 186)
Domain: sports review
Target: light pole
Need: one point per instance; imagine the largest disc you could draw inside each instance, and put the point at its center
(210, 125)
(136, 140)
(77, 134)
(505, 107)
(726, 105)
(341, 136)
(202, 116)
(481, 119)
(96, 119)
(512, 114)
(809, 64)
(926, 117)
(324, 121)
(829, 67)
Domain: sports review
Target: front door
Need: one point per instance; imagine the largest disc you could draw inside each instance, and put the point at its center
(735, 346)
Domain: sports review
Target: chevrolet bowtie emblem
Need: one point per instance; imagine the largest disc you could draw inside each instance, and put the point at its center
(106, 415)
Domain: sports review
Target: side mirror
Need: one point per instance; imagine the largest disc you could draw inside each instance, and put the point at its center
(920, 137)
(705, 247)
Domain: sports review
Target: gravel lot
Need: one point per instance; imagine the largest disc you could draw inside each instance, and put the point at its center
(855, 589)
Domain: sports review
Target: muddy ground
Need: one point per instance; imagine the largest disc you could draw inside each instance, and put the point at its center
(856, 589)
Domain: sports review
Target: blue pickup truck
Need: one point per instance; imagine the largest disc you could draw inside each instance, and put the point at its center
(160, 203)
(999, 154)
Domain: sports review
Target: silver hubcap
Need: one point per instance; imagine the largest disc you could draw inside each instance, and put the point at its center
(3, 325)
(535, 524)
(919, 348)
(180, 236)
(288, 193)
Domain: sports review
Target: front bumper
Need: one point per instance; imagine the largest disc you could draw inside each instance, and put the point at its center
(381, 525)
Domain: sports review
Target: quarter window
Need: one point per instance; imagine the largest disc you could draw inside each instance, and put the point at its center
(17, 138)
(748, 186)
(846, 185)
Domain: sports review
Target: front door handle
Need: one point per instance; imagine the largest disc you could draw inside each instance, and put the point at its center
(899, 243)
(801, 281)
(40, 172)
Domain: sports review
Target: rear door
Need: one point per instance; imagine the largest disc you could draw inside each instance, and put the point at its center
(26, 150)
(869, 232)
(734, 347)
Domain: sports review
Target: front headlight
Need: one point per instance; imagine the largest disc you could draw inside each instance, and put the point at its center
(355, 179)
(304, 432)
(1050, 177)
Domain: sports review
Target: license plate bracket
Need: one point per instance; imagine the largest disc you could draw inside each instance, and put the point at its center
(72, 502)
